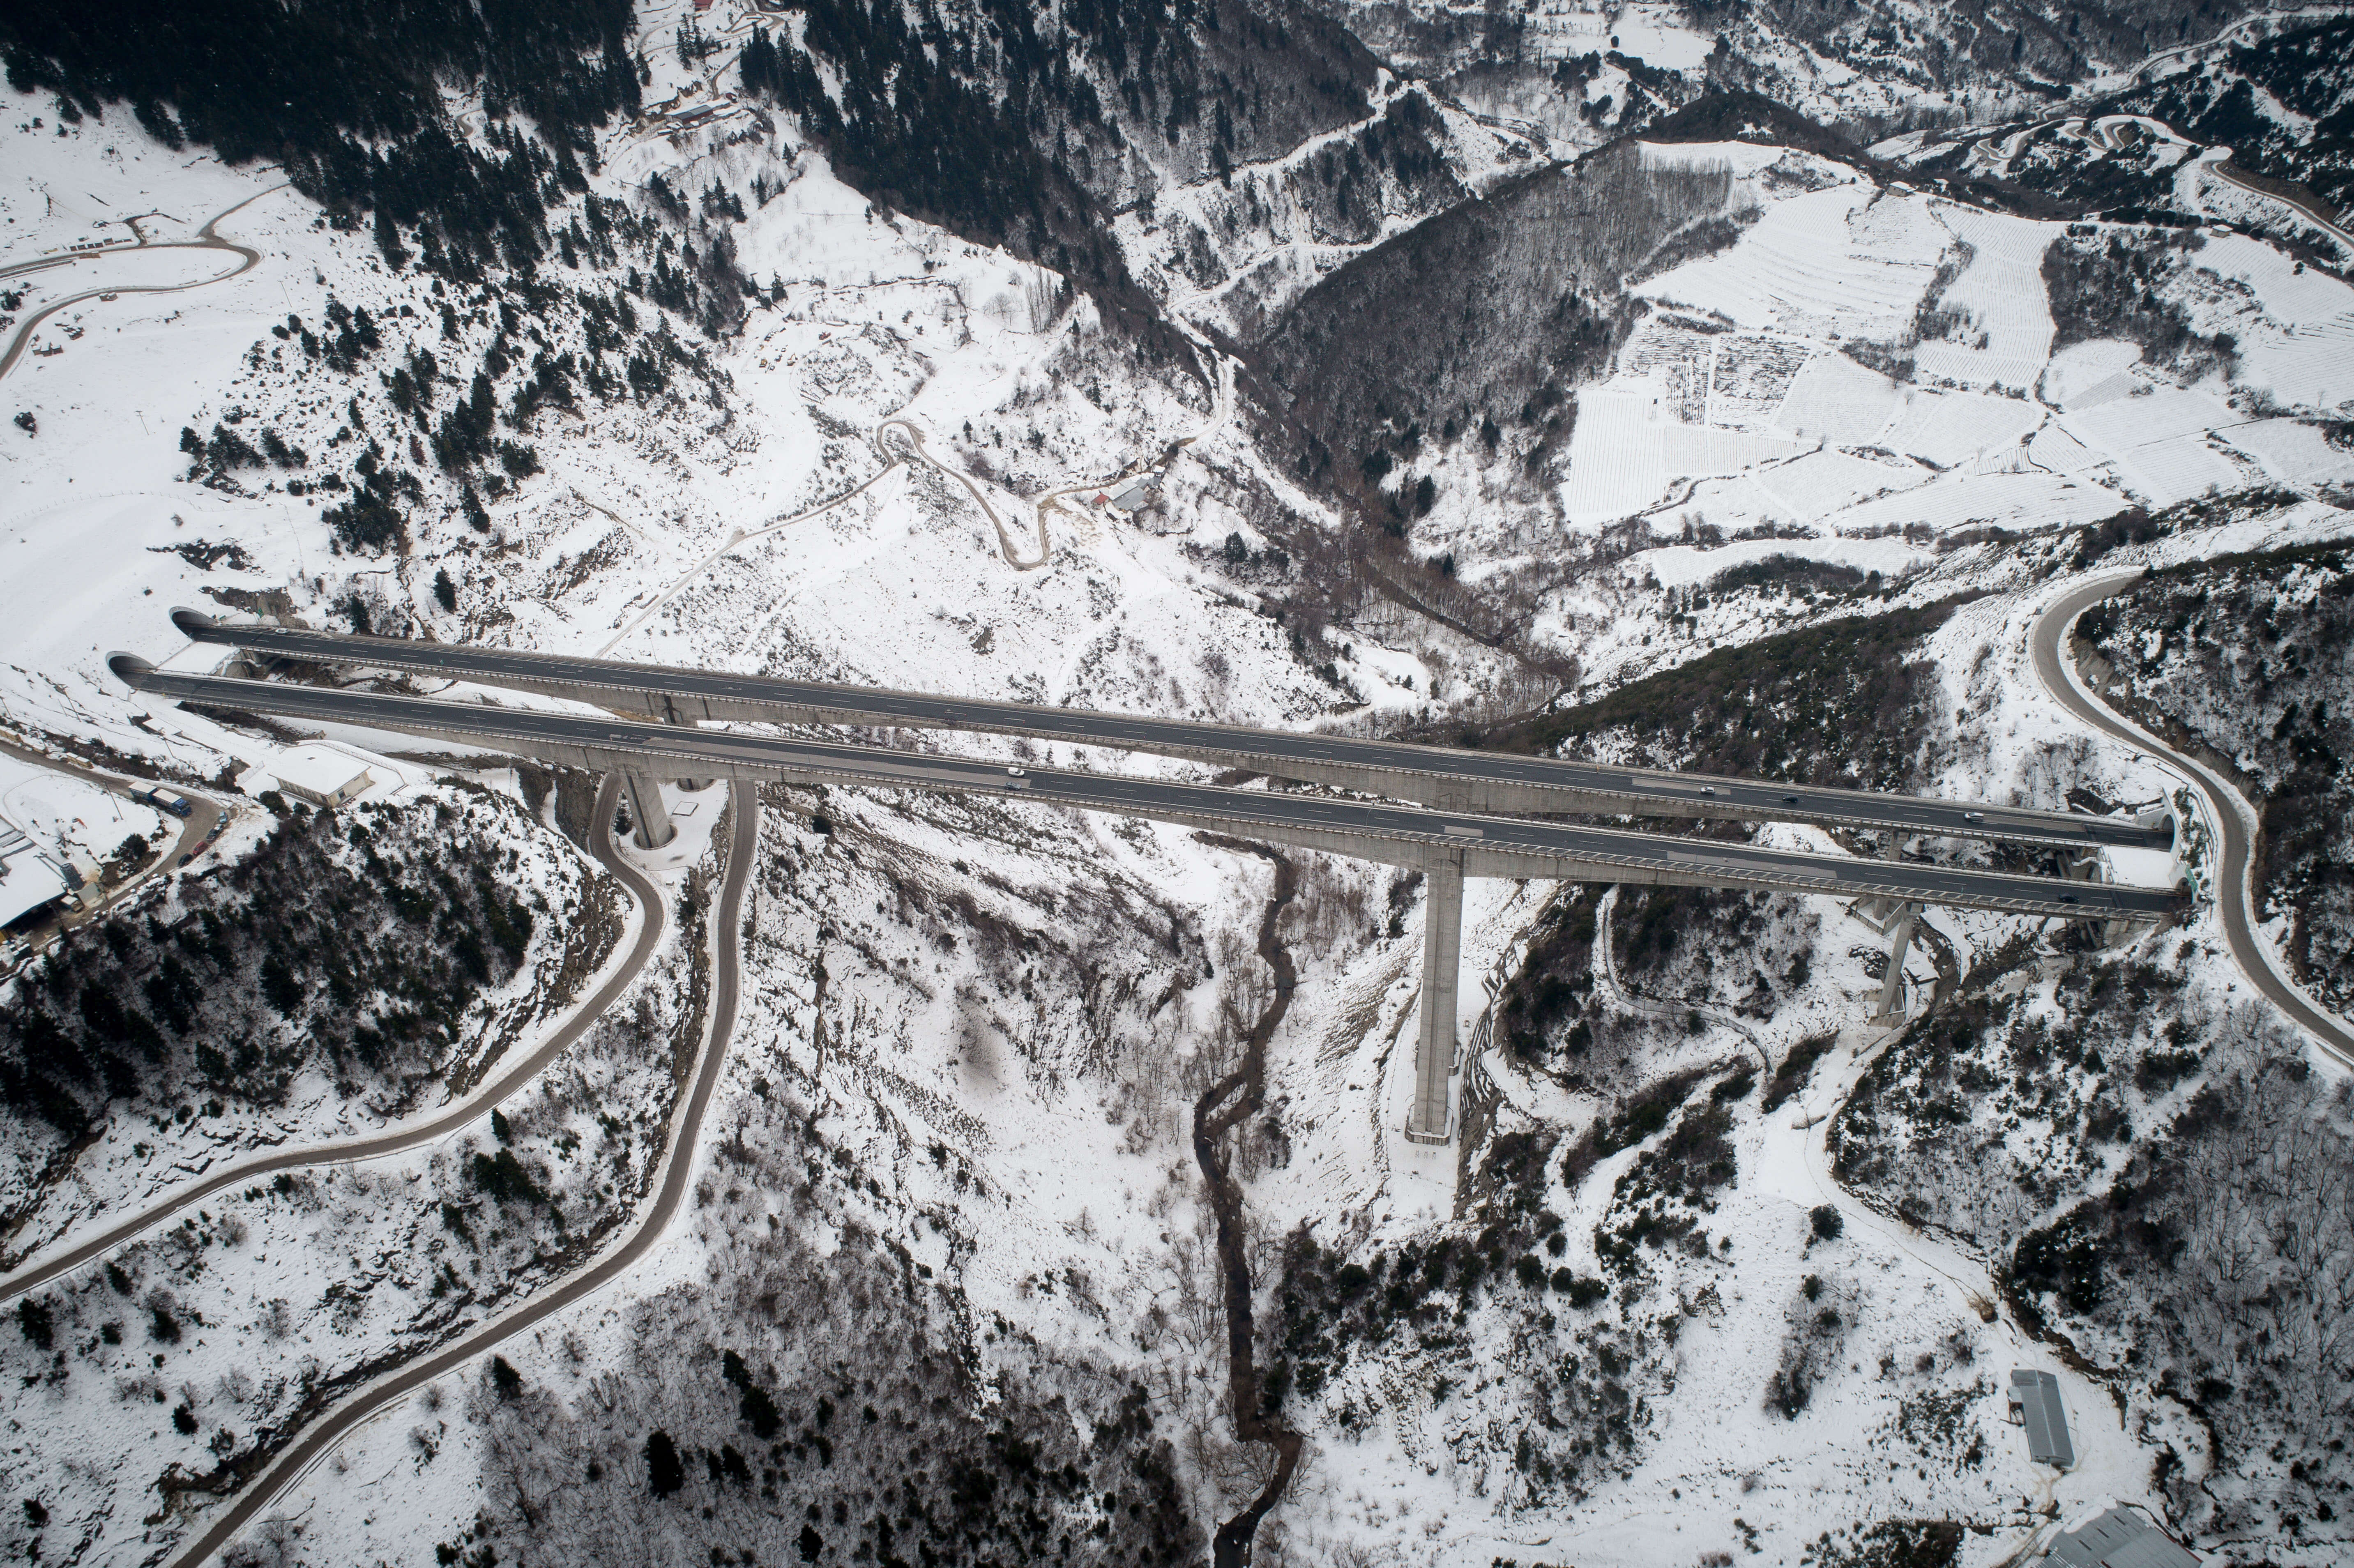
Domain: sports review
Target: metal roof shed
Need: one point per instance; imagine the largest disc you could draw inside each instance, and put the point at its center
(1144, 493)
(319, 774)
(2119, 1538)
(2035, 1404)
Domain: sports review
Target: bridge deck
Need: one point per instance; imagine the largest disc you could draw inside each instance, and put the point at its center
(1479, 781)
(1489, 846)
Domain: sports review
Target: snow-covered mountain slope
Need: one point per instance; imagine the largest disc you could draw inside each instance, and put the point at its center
(1578, 75)
(948, 1277)
(1848, 360)
(2201, 663)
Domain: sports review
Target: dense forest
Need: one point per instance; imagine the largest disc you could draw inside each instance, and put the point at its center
(1483, 318)
(1027, 132)
(1788, 706)
(354, 944)
(349, 99)
(2123, 285)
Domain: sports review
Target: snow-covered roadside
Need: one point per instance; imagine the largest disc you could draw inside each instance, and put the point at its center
(274, 1300)
(127, 1165)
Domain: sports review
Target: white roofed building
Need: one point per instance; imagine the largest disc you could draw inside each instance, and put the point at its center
(2035, 1404)
(320, 775)
(28, 878)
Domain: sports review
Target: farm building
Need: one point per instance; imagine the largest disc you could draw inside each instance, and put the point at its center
(2035, 1405)
(1143, 493)
(2119, 1538)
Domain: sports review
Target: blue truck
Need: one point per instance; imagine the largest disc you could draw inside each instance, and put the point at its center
(164, 800)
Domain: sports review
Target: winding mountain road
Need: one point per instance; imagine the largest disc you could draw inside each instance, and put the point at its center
(2305, 209)
(686, 1124)
(2234, 818)
(206, 240)
(197, 829)
(348, 1151)
(1004, 539)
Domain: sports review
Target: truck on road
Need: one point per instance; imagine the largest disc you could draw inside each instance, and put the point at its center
(165, 801)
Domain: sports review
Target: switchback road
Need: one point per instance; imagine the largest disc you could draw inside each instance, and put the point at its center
(915, 440)
(686, 1126)
(206, 240)
(2235, 819)
(408, 1134)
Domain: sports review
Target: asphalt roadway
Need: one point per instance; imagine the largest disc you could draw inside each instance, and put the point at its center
(641, 687)
(1491, 846)
(686, 1126)
(205, 240)
(407, 1135)
(2233, 818)
(197, 829)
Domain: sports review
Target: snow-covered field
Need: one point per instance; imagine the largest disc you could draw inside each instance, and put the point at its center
(991, 1020)
(1848, 265)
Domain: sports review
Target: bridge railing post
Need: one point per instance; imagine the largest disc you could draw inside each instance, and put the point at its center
(1429, 1119)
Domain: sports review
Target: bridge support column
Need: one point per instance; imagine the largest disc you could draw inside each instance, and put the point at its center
(1442, 959)
(1882, 913)
(649, 818)
(669, 715)
(1891, 988)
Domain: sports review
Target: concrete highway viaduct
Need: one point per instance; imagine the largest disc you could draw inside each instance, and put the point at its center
(1447, 843)
(1441, 776)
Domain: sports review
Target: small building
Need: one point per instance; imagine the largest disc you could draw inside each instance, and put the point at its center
(2120, 1538)
(30, 882)
(1145, 491)
(2035, 1405)
(320, 775)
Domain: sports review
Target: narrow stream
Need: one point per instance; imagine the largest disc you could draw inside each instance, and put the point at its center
(1223, 1106)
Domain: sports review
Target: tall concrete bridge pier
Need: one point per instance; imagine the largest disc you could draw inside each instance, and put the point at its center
(1442, 963)
(649, 823)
